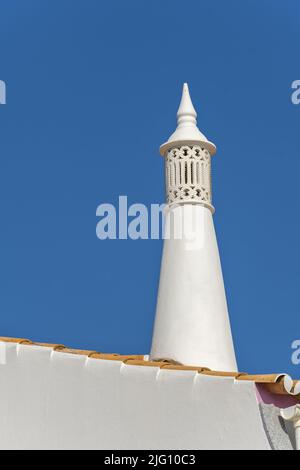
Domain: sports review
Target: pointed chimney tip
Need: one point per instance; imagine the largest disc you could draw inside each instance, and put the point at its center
(186, 109)
(187, 132)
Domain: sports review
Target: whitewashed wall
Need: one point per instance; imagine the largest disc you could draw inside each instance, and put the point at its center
(55, 400)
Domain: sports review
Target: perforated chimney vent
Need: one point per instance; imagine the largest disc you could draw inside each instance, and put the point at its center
(188, 175)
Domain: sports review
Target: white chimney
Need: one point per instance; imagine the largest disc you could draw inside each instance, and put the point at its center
(192, 324)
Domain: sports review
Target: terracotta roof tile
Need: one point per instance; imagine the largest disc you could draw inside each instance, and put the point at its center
(180, 367)
(54, 346)
(15, 340)
(115, 357)
(141, 362)
(217, 373)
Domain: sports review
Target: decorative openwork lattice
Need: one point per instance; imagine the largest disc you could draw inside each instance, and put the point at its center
(188, 175)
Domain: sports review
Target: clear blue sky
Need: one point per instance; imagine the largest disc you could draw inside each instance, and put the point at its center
(92, 91)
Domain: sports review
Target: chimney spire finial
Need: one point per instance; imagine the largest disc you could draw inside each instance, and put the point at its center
(186, 114)
(187, 132)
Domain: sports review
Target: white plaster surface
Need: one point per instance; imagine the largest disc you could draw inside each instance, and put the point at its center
(55, 400)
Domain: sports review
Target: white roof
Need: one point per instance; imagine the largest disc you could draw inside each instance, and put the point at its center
(51, 399)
